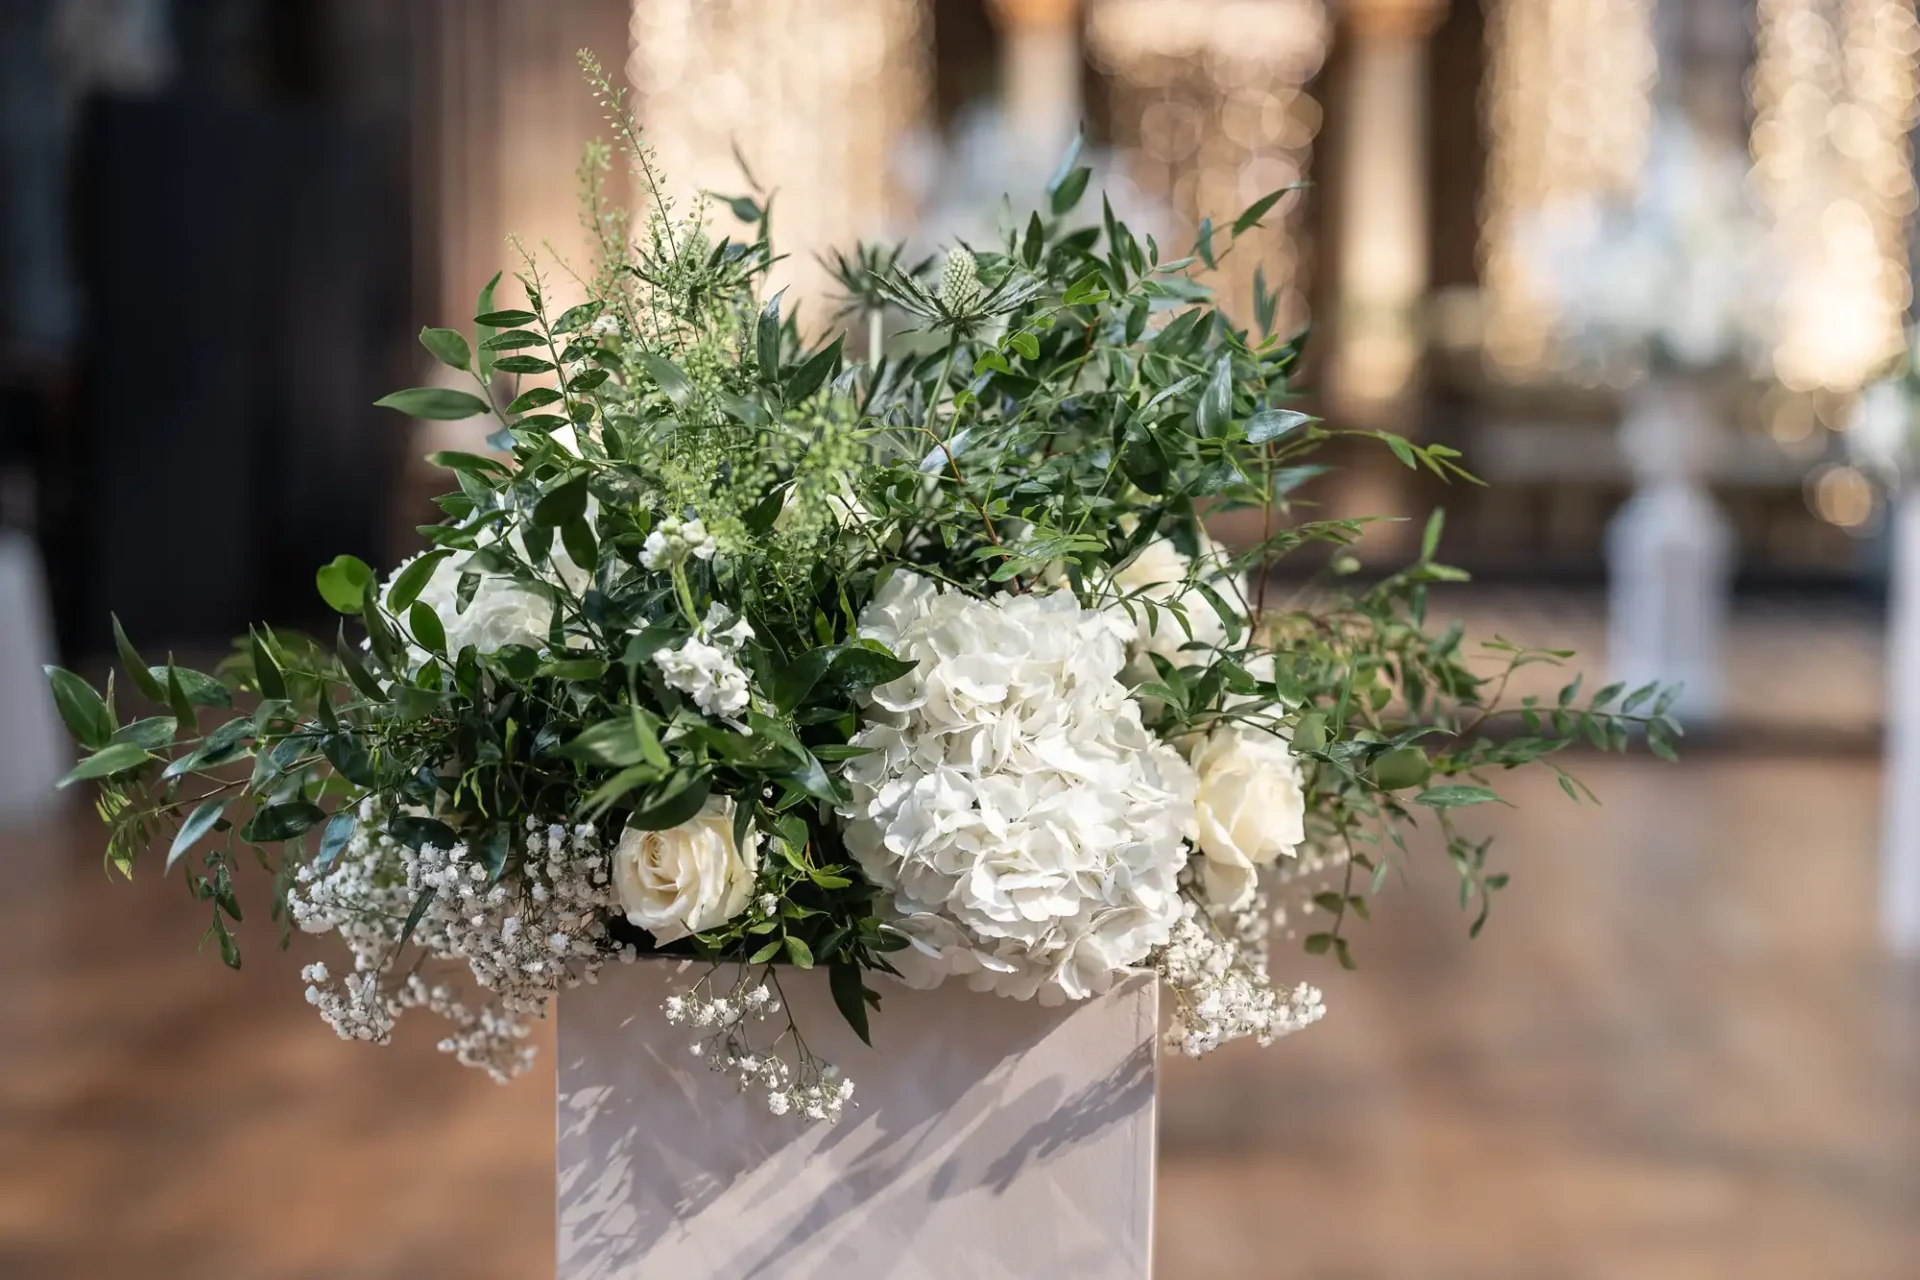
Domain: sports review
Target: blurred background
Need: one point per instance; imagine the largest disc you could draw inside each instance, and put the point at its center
(1646, 263)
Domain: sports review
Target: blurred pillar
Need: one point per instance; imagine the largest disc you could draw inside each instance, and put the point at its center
(815, 96)
(33, 750)
(1900, 831)
(503, 117)
(1039, 78)
(1670, 549)
(1382, 272)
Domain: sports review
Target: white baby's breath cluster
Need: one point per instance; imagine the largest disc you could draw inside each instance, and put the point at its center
(792, 1080)
(1029, 830)
(706, 666)
(674, 542)
(523, 938)
(1215, 965)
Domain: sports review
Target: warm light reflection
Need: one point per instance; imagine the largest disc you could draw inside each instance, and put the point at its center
(1211, 111)
(1842, 496)
(1568, 94)
(1834, 97)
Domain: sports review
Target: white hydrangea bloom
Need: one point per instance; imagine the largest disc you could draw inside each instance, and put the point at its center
(706, 668)
(1159, 573)
(1030, 831)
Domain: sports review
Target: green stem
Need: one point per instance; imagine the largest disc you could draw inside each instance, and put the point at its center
(684, 593)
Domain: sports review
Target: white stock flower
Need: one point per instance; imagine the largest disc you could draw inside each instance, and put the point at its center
(688, 878)
(1029, 830)
(705, 668)
(1159, 574)
(1251, 808)
(673, 541)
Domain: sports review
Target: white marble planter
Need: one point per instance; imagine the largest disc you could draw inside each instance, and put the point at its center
(992, 1138)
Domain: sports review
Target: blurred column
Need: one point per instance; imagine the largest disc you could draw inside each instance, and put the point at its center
(1382, 271)
(1670, 548)
(815, 96)
(1039, 79)
(503, 117)
(33, 749)
(1900, 796)
(1900, 777)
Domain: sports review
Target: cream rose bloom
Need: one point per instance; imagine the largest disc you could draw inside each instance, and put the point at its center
(502, 612)
(688, 878)
(1250, 810)
(1159, 574)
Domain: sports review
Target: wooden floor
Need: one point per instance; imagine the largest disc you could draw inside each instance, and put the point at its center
(1675, 1053)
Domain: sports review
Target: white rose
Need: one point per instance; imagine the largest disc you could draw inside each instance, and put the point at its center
(688, 878)
(1159, 574)
(502, 612)
(1251, 808)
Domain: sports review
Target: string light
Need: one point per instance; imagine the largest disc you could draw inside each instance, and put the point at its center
(1212, 112)
(1834, 97)
(1568, 110)
(817, 96)
(1842, 496)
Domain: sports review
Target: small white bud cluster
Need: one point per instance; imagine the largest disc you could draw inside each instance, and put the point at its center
(805, 1087)
(674, 542)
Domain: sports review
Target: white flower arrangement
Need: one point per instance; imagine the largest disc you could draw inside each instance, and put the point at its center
(1677, 276)
(912, 670)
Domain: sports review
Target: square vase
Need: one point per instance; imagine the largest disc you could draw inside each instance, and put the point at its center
(987, 1137)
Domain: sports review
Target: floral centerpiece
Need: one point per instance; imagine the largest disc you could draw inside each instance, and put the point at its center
(919, 669)
(1675, 278)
